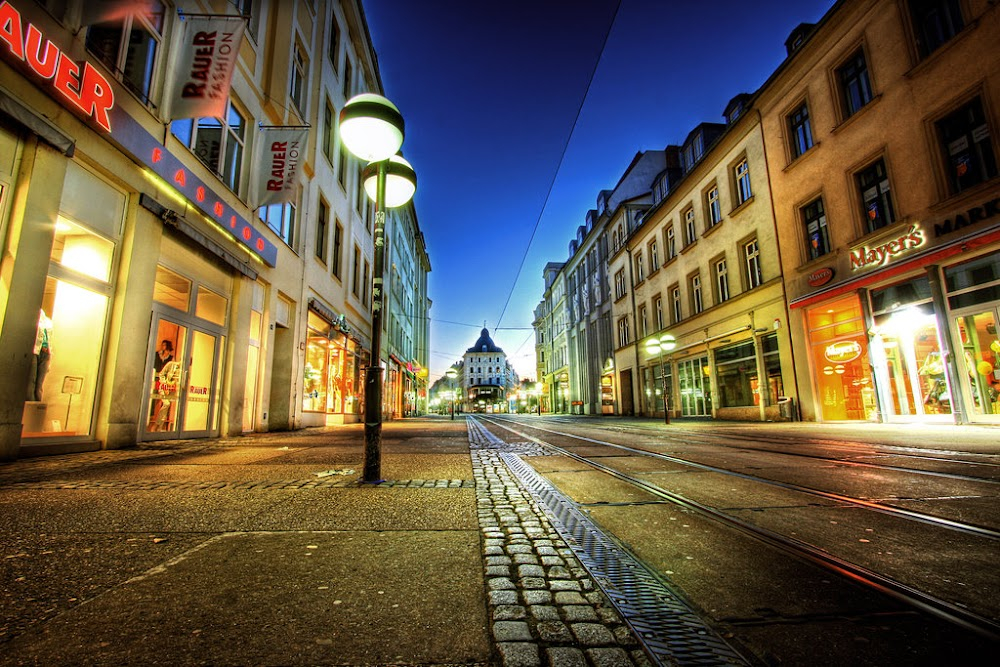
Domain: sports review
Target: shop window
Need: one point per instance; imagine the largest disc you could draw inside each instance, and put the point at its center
(67, 353)
(314, 373)
(211, 306)
(935, 22)
(128, 45)
(839, 351)
(817, 235)
(876, 198)
(172, 289)
(737, 376)
(217, 142)
(968, 146)
(973, 283)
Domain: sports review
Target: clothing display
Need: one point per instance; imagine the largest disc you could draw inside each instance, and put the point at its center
(41, 356)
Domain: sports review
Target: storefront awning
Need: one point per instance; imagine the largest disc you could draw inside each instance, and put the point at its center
(11, 105)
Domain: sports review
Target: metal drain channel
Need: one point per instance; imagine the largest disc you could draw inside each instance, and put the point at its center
(671, 631)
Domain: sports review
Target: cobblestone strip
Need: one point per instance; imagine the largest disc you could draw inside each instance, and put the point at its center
(545, 609)
(270, 485)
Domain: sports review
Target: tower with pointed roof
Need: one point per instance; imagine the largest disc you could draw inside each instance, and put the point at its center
(487, 376)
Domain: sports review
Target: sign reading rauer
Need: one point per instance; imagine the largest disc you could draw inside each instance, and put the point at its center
(206, 58)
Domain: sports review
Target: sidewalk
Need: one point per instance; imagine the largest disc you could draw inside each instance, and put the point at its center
(268, 552)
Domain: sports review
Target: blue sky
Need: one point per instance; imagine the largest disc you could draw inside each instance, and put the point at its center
(512, 140)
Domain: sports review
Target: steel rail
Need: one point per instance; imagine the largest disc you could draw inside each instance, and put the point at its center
(905, 593)
(940, 522)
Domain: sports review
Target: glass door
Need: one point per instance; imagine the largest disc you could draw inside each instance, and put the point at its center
(980, 374)
(695, 387)
(182, 385)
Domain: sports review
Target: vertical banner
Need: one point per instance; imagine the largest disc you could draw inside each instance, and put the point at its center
(281, 152)
(203, 69)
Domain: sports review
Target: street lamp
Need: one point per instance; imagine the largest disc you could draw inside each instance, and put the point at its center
(665, 343)
(451, 381)
(372, 129)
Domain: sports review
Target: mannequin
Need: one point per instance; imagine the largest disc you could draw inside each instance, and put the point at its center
(41, 355)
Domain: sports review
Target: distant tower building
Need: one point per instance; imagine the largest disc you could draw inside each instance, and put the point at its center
(487, 376)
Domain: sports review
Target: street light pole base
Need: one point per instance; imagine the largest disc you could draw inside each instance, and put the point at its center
(372, 471)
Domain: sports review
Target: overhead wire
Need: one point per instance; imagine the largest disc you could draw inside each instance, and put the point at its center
(562, 157)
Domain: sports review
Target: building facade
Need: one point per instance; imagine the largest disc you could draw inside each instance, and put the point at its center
(695, 268)
(145, 294)
(593, 381)
(551, 319)
(881, 129)
(487, 376)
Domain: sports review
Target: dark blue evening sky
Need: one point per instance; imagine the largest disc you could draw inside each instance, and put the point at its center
(490, 92)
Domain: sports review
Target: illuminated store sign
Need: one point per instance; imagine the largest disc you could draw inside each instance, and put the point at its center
(88, 90)
(880, 255)
(972, 216)
(842, 352)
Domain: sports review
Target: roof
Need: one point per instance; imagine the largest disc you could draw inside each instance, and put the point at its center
(484, 344)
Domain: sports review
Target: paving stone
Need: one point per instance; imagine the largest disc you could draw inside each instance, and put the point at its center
(608, 616)
(592, 634)
(543, 612)
(514, 654)
(564, 585)
(537, 597)
(509, 612)
(553, 561)
(568, 597)
(554, 632)
(501, 584)
(575, 613)
(624, 636)
(512, 631)
(533, 583)
(519, 549)
(498, 571)
(558, 572)
(526, 559)
(503, 597)
(563, 656)
(530, 571)
(640, 658)
(498, 560)
(609, 657)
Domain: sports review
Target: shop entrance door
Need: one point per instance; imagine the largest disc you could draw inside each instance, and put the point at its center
(181, 391)
(916, 380)
(980, 362)
(695, 386)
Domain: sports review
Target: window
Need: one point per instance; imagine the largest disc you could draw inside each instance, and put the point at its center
(297, 87)
(817, 236)
(342, 166)
(934, 23)
(333, 50)
(714, 206)
(855, 87)
(800, 131)
(967, 144)
(338, 241)
(721, 281)
(658, 307)
(640, 275)
(671, 243)
(359, 196)
(876, 200)
(690, 234)
(322, 220)
(280, 218)
(128, 45)
(623, 332)
(328, 131)
(742, 173)
(654, 257)
(620, 284)
(366, 284)
(751, 256)
(675, 304)
(356, 269)
(643, 322)
(246, 8)
(348, 75)
(218, 142)
(697, 301)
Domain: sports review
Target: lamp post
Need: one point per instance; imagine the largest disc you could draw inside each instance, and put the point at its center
(372, 129)
(451, 381)
(665, 343)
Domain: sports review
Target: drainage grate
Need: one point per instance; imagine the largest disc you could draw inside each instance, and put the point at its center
(671, 631)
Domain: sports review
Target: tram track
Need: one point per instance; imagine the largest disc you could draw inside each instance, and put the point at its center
(953, 613)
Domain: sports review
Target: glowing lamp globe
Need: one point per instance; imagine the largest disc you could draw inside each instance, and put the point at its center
(371, 127)
(400, 181)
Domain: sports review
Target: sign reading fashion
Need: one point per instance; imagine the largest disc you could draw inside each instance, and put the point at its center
(206, 58)
(865, 257)
(87, 90)
(279, 163)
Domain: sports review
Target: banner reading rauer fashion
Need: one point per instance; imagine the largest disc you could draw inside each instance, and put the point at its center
(202, 73)
(280, 156)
